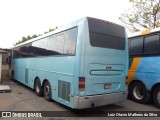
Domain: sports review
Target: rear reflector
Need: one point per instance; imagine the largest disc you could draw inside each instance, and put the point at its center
(124, 93)
(81, 84)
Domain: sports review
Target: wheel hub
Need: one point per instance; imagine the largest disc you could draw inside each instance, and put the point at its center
(158, 96)
(37, 89)
(47, 90)
(138, 92)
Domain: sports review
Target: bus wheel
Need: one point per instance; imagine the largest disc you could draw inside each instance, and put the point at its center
(37, 87)
(47, 91)
(139, 93)
(156, 96)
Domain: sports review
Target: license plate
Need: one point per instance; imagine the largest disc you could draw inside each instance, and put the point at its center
(107, 86)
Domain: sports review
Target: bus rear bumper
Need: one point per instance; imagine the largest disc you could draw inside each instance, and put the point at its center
(98, 100)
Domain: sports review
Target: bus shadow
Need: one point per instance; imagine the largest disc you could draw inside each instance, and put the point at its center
(89, 112)
(149, 104)
(69, 112)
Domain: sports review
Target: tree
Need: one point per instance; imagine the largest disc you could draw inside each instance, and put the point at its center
(34, 36)
(21, 41)
(50, 30)
(24, 39)
(28, 38)
(144, 14)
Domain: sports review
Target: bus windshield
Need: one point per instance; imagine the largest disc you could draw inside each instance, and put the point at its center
(106, 34)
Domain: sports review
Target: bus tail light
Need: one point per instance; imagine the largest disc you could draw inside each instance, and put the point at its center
(81, 84)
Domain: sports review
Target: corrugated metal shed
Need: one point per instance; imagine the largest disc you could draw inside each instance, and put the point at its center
(2, 51)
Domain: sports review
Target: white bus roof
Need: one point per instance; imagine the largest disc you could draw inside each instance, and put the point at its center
(145, 32)
(70, 25)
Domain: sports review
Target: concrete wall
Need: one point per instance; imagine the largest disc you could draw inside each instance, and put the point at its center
(5, 67)
(0, 67)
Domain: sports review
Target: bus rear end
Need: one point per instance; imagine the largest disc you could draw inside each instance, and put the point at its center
(104, 65)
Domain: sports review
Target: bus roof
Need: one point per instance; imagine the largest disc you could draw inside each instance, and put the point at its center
(60, 29)
(70, 25)
(145, 32)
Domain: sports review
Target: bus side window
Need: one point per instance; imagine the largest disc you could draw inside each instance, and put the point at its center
(56, 44)
(151, 44)
(136, 46)
(70, 41)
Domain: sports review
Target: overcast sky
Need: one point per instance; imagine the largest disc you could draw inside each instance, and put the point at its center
(20, 18)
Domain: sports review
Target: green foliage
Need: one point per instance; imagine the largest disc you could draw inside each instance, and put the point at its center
(34, 36)
(24, 39)
(144, 14)
(50, 30)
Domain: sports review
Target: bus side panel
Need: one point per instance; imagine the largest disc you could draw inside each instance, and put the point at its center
(64, 64)
(146, 70)
(59, 71)
(64, 89)
(29, 72)
(133, 65)
(24, 70)
(31, 78)
(20, 70)
(19, 73)
(80, 50)
(50, 76)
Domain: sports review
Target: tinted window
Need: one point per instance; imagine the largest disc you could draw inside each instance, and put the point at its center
(23, 51)
(70, 41)
(136, 45)
(39, 47)
(106, 34)
(57, 44)
(106, 41)
(151, 44)
(40, 43)
(144, 45)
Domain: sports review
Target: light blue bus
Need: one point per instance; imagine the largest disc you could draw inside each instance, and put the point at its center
(82, 65)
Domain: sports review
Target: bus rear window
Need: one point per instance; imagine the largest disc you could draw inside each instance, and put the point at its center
(106, 34)
(106, 41)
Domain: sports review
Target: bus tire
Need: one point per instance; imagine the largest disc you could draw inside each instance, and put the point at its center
(37, 87)
(156, 96)
(139, 93)
(47, 90)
